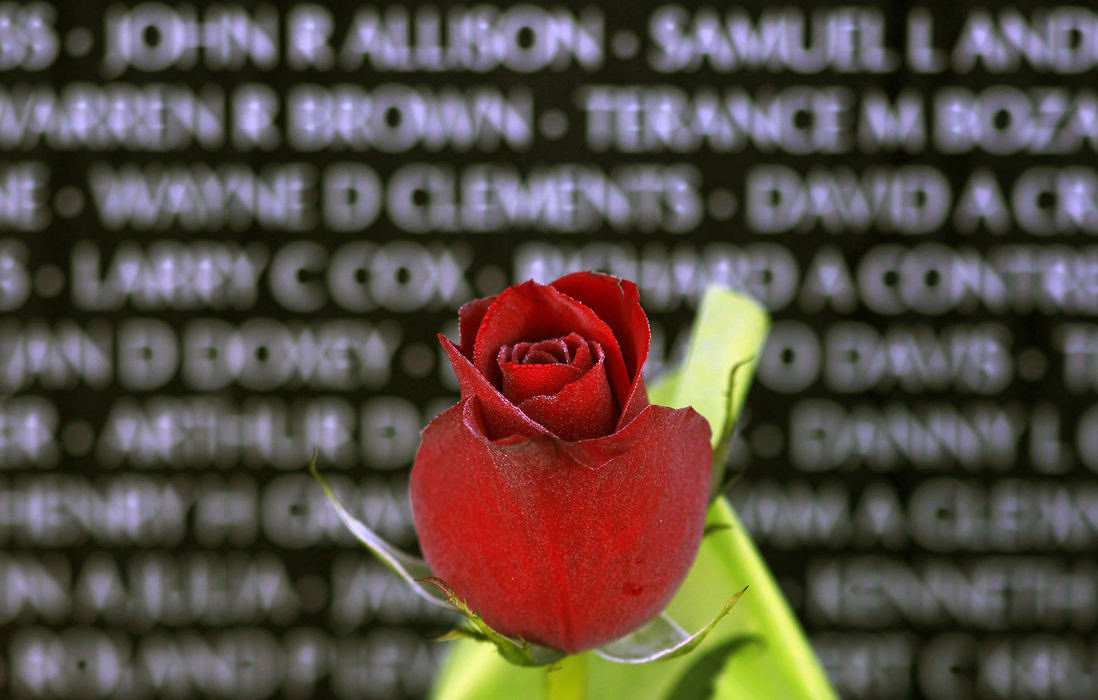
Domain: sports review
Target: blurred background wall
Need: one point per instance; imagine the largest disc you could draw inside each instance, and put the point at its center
(229, 234)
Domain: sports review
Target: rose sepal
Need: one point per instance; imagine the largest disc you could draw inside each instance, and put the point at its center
(520, 652)
(661, 639)
(412, 569)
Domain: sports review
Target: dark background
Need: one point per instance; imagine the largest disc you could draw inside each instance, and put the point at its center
(919, 445)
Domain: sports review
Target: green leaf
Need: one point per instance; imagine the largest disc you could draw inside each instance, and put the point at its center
(722, 437)
(660, 639)
(663, 391)
(781, 663)
(411, 569)
(725, 344)
(461, 633)
(699, 681)
(567, 679)
(519, 652)
(474, 671)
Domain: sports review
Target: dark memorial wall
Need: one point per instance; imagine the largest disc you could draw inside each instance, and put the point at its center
(229, 234)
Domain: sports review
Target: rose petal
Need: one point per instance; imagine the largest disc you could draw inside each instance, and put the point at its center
(582, 354)
(583, 409)
(502, 417)
(530, 311)
(565, 553)
(638, 399)
(555, 351)
(522, 381)
(540, 357)
(469, 319)
(617, 303)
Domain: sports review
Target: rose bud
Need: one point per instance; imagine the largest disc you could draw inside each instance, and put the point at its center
(553, 498)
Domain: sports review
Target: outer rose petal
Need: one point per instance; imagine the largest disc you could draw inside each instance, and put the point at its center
(469, 317)
(565, 553)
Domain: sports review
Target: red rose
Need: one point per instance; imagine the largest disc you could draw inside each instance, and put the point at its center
(553, 498)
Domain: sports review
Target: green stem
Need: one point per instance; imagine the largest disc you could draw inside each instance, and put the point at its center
(567, 679)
